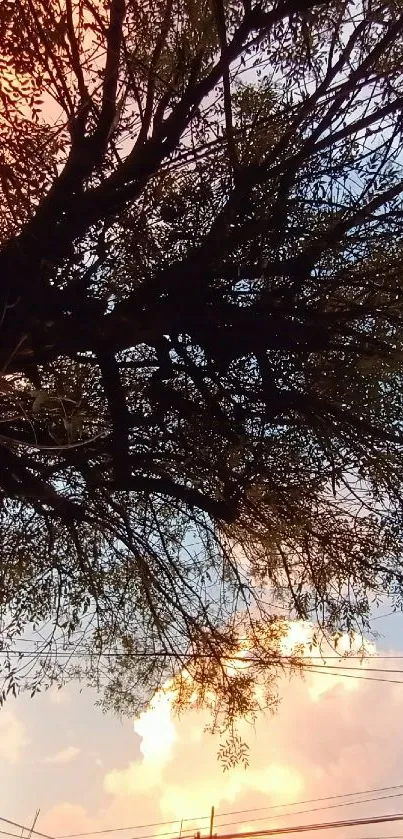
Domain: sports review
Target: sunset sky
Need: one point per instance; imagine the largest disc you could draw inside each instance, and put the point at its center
(214, 379)
(87, 771)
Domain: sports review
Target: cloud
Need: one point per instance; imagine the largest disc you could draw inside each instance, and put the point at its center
(13, 737)
(66, 817)
(180, 769)
(156, 729)
(63, 756)
(331, 735)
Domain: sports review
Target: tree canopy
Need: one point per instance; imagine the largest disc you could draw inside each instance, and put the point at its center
(201, 322)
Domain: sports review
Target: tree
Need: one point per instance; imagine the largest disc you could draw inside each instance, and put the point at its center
(201, 326)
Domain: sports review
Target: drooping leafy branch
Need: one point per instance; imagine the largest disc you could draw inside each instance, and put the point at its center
(201, 331)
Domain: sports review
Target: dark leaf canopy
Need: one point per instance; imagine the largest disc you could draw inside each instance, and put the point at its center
(201, 335)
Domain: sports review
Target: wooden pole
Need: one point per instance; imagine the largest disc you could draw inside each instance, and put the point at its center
(211, 821)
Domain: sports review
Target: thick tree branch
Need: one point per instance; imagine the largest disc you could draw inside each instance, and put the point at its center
(218, 509)
(111, 76)
(119, 413)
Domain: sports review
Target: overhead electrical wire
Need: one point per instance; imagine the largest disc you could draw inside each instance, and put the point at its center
(278, 831)
(325, 672)
(314, 661)
(16, 835)
(316, 809)
(304, 828)
(302, 665)
(355, 668)
(300, 802)
(270, 807)
(24, 827)
(340, 657)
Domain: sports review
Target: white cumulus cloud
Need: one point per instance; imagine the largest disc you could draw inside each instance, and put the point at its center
(331, 735)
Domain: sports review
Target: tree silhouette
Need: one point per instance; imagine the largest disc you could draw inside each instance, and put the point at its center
(200, 307)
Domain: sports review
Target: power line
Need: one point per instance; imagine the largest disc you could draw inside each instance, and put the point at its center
(43, 646)
(16, 835)
(353, 803)
(347, 658)
(241, 812)
(285, 830)
(340, 657)
(396, 817)
(303, 662)
(189, 833)
(324, 672)
(132, 827)
(386, 615)
(24, 827)
(307, 666)
(310, 800)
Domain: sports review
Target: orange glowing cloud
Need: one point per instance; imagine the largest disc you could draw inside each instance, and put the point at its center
(331, 735)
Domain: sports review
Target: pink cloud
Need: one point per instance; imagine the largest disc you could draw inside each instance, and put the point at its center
(331, 735)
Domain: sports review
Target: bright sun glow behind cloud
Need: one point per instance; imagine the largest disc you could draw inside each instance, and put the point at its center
(330, 735)
(156, 729)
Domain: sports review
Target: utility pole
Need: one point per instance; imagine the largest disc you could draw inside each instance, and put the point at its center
(211, 822)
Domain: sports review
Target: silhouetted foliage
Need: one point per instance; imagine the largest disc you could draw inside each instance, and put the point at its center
(201, 319)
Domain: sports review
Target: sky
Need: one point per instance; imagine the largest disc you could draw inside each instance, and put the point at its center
(88, 771)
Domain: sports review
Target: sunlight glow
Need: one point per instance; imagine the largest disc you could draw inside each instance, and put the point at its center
(156, 729)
